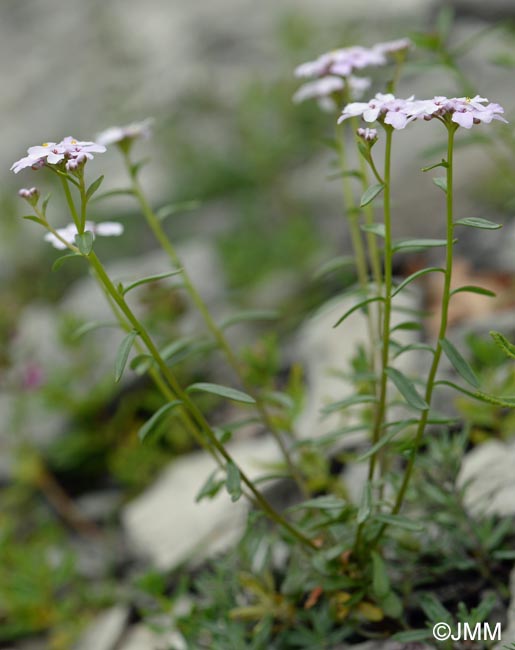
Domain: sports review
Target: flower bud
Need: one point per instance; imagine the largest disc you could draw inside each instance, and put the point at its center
(30, 195)
(74, 164)
(367, 135)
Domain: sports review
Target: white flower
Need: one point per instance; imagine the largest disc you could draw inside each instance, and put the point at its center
(104, 229)
(116, 134)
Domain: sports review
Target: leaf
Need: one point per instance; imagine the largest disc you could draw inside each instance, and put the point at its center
(476, 222)
(407, 389)
(392, 605)
(442, 163)
(44, 205)
(370, 194)
(503, 343)
(334, 264)
(459, 363)
(412, 636)
(414, 276)
(359, 305)
(61, 260)
(418, 243)
(31, 217)
(380, 579)
(222, 391)
(441, 182)
(374, 228)
(249, 315)
(399, 522)
(84, 242)
(150, 424)
(150, 278)
(176, 208)
(94, 187)
(414, 346)
(508, 402)
(365, 506)
(343, 174)
(349, 401)
(233, 481)
(473, 289)
(408, 325)
(91, 326)
(123, 354)
(135, 168)
(326, 502)
(210, 488)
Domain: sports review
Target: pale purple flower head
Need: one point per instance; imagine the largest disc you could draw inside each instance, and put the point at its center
(391, 110)
(105, 229)
(53, 153)
(464, 111)
(134, 131)
(323, 90)
(341, 62)
(392, 47)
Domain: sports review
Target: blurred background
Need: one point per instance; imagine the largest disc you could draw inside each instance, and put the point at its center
(258, 213)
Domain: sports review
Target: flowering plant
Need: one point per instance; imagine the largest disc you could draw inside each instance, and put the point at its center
(344, 544)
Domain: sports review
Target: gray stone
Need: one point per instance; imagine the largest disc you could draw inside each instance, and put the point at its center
(140, 637)
(106, 631)
(487, 474)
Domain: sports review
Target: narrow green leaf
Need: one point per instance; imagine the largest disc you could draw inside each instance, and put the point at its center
(473, 289)
(441, 182)
(365, 506)
(233, 481)
(415, 276)
(374, 228)
(508, 402)
(353, 173)
(408, 325)
(349, 401)
(248, 316)
(44, 205)
(94, 187)
(137, 166)
(150, 424)
(211, 487)
(391, 605)
(359, 305)
(123, 354)
(326, 502)
(61, 260)
(459, 363)
(370, 194)
(222, 391)
(334, 264)
(476, 222)
(407, 389)
(92, 326)
(84, 242)
(414, 346)
(177, 208)
(503, 343)
(31, 217)
(150, 278)
(380, 579)
(408, 244)
(443, 163)
(399, 522)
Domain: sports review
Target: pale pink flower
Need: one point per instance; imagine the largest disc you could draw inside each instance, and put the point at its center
(391, 47)
(323, 90)
(463, 111)
(341, 62)
(53, 153)
(392, 110)
(105, 229)
(75, 148)
(134, 131)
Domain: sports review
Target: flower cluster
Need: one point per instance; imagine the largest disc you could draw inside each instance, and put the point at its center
(463, 111)
(53, 153)
(120, 134)
(105, 229)
(332, 70)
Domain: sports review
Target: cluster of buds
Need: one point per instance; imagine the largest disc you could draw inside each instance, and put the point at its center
(30, 195)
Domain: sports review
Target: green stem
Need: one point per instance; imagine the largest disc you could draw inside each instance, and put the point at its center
(192, 412)
(71, 204)
(441, 334)
(155, 225)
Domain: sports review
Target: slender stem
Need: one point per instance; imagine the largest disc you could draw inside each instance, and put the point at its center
(388, 287)
(216, 332)
(441, 334)
(71, 204)
(190, 409)
(380, 413)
